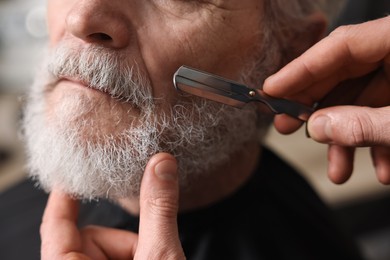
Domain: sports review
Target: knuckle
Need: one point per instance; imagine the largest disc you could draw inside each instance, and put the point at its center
(163, 204)
(343, 31)
(345, 35)
(340, 30)
(360, 131)
(357, 134)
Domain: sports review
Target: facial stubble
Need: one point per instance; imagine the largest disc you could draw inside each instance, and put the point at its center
(202, 135)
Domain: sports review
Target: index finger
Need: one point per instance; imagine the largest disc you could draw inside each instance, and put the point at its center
(349, 51)
(61, 207)
(59, 232)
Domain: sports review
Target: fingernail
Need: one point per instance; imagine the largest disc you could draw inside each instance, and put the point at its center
(320, 128)
(307, 130)
(166, 170)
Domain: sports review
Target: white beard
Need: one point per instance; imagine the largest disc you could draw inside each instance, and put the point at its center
(202, 135)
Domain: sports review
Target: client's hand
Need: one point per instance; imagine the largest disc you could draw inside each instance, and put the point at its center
(352, 63)
(158, 235)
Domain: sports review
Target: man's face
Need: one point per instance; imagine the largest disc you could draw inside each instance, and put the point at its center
(141, 43)
(160, 36)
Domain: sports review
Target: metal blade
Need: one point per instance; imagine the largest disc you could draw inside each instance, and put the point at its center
(201, 90)
(232, 93)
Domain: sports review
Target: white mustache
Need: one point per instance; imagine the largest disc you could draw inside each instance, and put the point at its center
(103, 70)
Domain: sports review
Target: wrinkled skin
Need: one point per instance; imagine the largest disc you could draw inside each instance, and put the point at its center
(159, 36)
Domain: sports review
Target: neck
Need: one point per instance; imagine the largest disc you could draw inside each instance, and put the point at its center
(214, 186)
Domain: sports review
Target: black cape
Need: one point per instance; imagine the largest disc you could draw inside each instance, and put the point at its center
(276, 215)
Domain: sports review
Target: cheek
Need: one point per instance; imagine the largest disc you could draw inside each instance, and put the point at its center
(215, 43)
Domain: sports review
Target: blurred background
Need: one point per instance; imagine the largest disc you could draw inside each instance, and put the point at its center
(22, 35)
(362, 204)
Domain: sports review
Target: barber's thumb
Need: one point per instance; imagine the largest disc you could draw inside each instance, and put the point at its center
(159, 207)
(351, 126)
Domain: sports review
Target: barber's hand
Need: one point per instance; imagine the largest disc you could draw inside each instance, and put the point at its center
(158, 235)
(356, 59)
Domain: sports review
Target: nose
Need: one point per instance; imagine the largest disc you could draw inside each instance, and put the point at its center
(98, 22)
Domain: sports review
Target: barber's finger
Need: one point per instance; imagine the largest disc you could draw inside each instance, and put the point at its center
(158, 233)
(381, 158)
(351, 126)
(345, 53)
(286, 124)
(340, 163)
(59, 233)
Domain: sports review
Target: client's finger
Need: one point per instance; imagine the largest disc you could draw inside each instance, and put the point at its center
(59, 233)
(158, 234)
(108, 243)
(61, 238)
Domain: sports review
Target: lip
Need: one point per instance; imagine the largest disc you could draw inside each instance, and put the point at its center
(82, 84)
(88, 87)
(75, 81)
